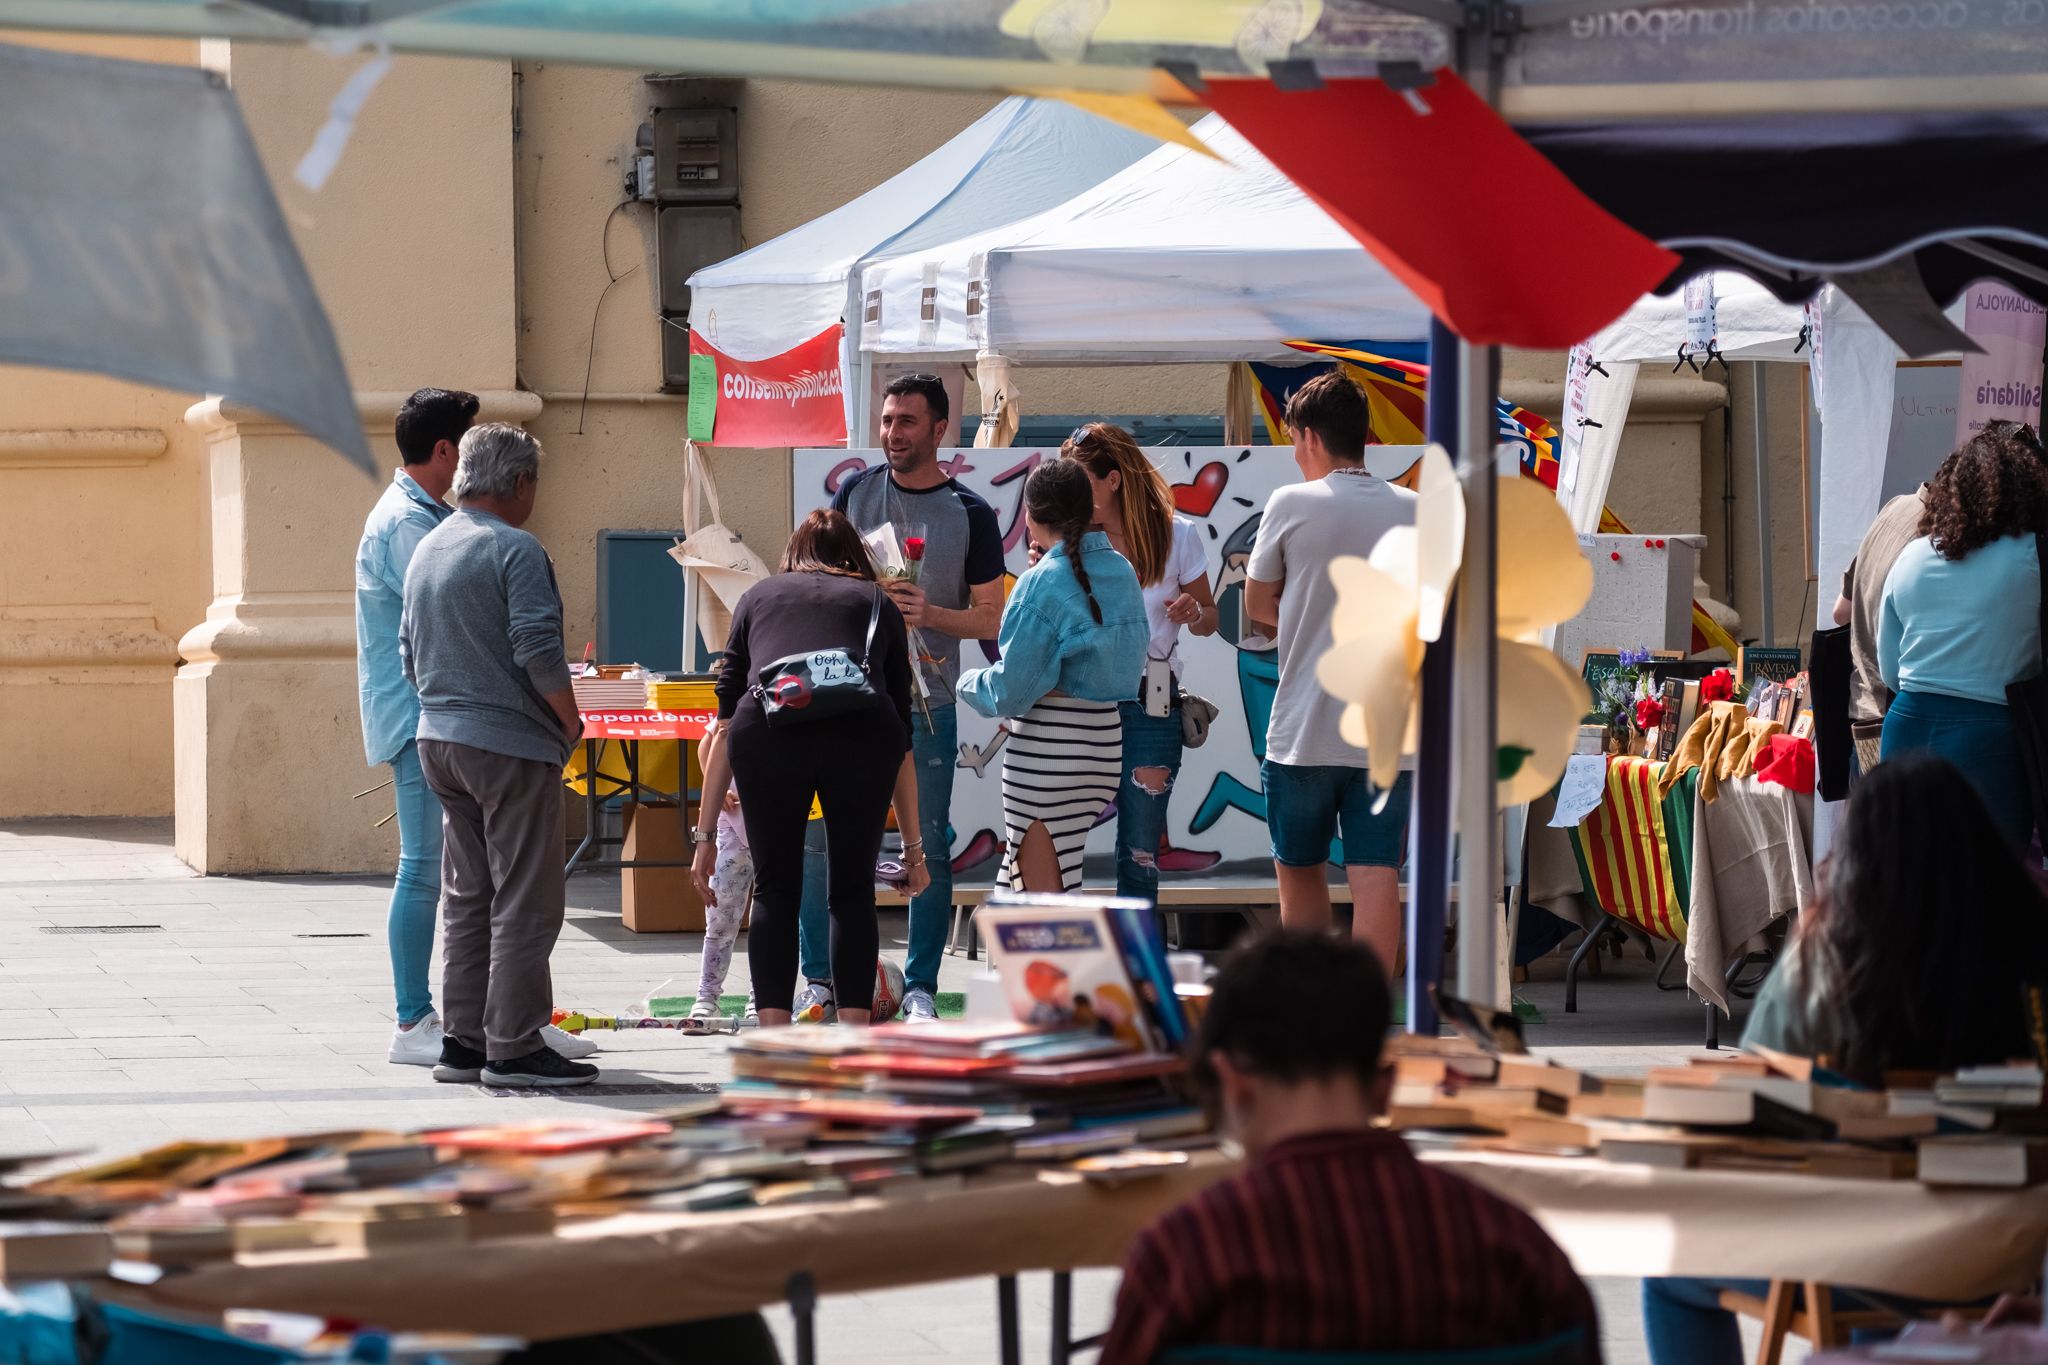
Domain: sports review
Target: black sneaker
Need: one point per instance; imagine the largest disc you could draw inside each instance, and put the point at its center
(546, 1069)
(459, 1064)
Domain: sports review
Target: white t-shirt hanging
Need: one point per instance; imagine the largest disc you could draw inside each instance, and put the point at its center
(1186, 561)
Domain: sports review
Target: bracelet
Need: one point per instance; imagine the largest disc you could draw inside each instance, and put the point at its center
(918, 861)
(909, 844)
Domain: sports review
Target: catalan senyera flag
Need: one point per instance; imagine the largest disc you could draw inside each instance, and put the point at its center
(1635, 849)
(1395, 377)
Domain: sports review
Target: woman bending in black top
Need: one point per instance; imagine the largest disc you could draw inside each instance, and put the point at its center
(822, 598)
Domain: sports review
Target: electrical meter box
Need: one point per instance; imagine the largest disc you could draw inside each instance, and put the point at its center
(688, 238)
(696, 156)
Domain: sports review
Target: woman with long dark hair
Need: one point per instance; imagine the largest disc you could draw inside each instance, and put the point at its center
(1134, 508)
(1073, 648)
(1926, 949)
(1961, 620)
(824, 598)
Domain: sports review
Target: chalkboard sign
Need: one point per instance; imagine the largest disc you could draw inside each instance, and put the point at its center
(1597, 666)
(1779, 665)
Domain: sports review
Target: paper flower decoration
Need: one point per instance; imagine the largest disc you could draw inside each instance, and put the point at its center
(1390, 606)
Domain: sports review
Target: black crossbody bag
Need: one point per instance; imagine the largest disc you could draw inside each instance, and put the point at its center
(821, 684)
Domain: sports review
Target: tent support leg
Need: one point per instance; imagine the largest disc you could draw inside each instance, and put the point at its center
(1760, 416)
(1479, 861)
(1430, 862)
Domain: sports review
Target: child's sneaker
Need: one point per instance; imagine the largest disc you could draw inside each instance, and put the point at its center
(705, 1016)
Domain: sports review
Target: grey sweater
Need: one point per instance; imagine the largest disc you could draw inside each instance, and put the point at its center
(481, 638)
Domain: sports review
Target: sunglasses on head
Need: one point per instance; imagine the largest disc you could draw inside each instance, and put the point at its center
(2023, 432)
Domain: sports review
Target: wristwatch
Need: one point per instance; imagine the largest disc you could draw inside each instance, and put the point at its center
(699, 837)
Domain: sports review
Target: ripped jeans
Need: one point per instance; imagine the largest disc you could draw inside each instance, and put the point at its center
(1152, 750)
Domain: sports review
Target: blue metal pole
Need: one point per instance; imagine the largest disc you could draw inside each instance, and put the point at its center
(1429, 860)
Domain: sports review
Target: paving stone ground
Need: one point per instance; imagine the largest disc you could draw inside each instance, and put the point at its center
(140, 1002)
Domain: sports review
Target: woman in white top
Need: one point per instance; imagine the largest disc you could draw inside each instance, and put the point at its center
(1134, 507)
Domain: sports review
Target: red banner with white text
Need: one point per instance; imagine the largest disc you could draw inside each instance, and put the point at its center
(793, 399)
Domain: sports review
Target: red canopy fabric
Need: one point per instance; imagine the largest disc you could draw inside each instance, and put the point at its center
(1492, 237)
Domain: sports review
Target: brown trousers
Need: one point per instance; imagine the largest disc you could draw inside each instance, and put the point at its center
(501, 894)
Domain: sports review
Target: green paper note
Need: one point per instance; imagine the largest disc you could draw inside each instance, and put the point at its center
(703, 396)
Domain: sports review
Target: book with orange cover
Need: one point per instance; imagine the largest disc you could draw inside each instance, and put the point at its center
(910, 1064)
(1099, 1070)
(858, 1113)
(542, 1139)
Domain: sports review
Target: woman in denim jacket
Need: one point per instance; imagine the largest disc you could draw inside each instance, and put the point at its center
(1073, 644)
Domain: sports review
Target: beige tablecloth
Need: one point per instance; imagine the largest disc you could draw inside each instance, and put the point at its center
(1752, 861)
(637, 1270)
(1896, 1236)
(644, 1269)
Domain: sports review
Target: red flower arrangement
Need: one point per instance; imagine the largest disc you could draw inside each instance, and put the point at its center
(1649, 714)
(1717, 686)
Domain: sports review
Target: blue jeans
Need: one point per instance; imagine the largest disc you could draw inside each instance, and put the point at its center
(936, 749)
(416, 895)
(1976, 736)
(1149, 742)
(1685, 1324)
(814, 921)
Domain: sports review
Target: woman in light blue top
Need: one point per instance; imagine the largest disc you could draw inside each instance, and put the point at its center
(1961, 620)
(1073, 647)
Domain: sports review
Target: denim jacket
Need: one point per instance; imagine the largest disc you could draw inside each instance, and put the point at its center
(1051, 643)
(393, 530)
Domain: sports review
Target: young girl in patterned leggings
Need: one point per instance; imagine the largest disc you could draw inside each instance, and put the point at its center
(733, 885)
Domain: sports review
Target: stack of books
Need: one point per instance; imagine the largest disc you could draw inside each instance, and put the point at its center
(955, 1097)
(1757, 1110)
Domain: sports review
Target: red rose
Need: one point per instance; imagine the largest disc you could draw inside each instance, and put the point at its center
(1717, 686)
(913, 548)
(1649, 714)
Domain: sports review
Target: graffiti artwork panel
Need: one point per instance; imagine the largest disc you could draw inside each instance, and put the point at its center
(1216, 824)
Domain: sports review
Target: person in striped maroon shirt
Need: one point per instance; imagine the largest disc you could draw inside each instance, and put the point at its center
(1334, 1237)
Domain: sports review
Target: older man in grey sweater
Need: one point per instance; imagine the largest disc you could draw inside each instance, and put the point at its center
(481, 638)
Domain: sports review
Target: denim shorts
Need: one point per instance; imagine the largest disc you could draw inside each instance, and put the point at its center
(1307, 807)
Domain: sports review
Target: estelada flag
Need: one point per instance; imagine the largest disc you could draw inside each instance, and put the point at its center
(1397, 392)
(797, 398)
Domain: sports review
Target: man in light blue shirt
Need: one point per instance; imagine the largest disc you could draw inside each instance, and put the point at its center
(430, 427)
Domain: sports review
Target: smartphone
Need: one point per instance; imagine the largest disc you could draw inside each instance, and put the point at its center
(1158, 690)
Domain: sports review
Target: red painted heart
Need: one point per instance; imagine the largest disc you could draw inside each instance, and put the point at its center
(1198, 499)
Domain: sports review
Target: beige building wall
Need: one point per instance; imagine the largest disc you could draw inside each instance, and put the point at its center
(103, 564)
(470, 238)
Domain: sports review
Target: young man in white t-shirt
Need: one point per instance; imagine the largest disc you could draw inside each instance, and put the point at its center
(1316, 785)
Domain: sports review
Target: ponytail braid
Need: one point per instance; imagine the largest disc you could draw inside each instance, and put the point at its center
(1058, 495)
(1073, 536)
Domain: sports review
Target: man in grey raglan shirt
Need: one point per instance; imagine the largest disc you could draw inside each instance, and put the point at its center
(481, 638)
(958, 597)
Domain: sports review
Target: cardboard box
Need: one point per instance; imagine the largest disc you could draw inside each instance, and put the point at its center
(659, 900)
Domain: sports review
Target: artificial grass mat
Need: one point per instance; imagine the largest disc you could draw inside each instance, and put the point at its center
(952, 1004)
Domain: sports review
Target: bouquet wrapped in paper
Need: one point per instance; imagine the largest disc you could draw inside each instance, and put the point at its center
(899, 558)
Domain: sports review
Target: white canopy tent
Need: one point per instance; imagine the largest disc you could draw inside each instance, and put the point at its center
(1854, 366)
(1180, 257)
(1022, 156)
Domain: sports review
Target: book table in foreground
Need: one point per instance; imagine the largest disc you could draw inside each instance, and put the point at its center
(645, 1269)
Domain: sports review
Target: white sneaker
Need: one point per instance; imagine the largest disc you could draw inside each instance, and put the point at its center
(920, 1008)
(570, 1045)
(814, 1005)
(419, 1045)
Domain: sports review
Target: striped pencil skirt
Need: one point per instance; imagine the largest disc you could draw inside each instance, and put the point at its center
(1061, 768)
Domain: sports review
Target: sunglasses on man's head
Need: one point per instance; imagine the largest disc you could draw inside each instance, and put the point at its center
(2023, 432)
